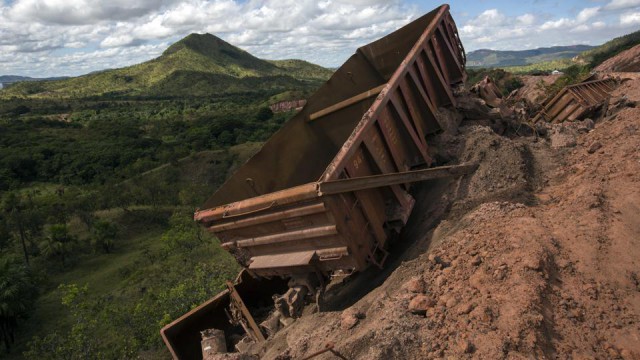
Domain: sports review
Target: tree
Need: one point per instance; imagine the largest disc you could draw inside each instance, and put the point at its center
(225, 138)
(7, 180)
(152, 190)
(17, 295)
(20, 110)
(184, 233)
(5, 233)
(14, 206)
(104, 234)
(58, 243)
(93, 319)
(264, 114)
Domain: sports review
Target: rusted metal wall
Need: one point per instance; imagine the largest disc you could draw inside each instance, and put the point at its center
(575, 101)
(300, 151)
(182, 336)
(270, 215)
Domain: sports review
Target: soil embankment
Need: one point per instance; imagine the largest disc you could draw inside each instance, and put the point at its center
(535, 255)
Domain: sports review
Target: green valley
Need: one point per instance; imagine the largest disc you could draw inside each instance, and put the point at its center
(99, 178)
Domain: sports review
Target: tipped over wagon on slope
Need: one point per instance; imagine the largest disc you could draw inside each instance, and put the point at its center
(326, 193)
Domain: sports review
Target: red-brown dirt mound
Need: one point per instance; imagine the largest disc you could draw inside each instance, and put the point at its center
(535, 255)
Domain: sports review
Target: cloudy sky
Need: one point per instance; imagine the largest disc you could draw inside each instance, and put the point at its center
(73, 37)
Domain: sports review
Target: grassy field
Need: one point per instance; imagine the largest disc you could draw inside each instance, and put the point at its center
(141, 264)
(100, 273)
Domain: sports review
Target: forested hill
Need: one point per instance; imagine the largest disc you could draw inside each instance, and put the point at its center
(10, 79)
(495, 58)
(99, 179)
(198, 65)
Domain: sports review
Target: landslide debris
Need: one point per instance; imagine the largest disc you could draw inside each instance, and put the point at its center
(532, 256)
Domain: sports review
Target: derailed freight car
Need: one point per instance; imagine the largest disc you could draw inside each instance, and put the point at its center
(326, 192)
(576, 101)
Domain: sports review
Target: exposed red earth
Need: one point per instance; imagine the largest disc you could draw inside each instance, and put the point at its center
(535, 255)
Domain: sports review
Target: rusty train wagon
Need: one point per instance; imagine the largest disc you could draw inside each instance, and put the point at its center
(576, 101)
(289, 210)
(326, 192)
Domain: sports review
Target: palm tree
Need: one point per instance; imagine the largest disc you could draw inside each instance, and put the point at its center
(17, 293)
(104, 234)
(14, 206)
(58, 243)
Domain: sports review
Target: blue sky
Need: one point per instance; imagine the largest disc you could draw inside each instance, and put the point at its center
(73, 37)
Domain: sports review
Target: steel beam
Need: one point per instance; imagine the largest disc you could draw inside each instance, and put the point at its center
(376, 181)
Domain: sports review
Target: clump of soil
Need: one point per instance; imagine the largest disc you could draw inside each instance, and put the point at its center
(503, 167)
(535, 255)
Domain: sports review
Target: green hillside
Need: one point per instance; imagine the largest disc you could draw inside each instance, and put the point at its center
(69, 168)
(301, 69)
(589, 58)
(611, 48)
(198, 65)
(495, 58)
(99, 178)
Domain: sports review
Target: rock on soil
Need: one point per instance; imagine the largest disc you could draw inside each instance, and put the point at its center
(595, 146)
(350, 318)
(415, 285)
(420, 304)
(231, 356)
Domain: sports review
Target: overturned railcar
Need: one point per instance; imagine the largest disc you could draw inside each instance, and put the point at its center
(576, 101)
(327, 191)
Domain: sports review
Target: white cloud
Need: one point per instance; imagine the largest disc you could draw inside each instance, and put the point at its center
(325, 32)
(580, 28)
(75, 12)
(70, 37)
(556, 24)
(526, 19)
(590, 26)
(599, 25)
(630, 19)
(622, 4)
(574, 25)
(117, 40)
(587, 14)
(491, 16)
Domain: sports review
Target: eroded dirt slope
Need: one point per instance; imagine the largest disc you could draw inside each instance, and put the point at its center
(534, 256)
(628, 60)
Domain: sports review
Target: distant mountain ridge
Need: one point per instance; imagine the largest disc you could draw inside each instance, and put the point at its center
(591, 58)
(198, 65)
(497, 58)
(10, 79)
